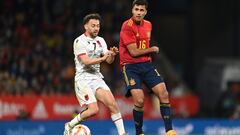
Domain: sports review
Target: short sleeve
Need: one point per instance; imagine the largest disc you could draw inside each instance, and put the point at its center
(104, 45)
(79, 47)
(127, 36)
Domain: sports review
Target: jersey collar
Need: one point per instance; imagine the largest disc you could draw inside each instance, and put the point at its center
(85, 34)
(141, 23)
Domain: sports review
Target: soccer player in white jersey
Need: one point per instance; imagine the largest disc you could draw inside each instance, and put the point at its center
(90, 50)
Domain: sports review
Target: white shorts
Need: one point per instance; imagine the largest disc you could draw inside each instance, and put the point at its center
(86, 90)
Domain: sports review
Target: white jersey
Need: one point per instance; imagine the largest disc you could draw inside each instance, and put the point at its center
(94, 48)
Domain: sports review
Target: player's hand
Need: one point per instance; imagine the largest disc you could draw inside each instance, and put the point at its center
(155, 49)
(114, 50)
(107, 54)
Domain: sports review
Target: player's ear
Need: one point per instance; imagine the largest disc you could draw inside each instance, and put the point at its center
(85, 26)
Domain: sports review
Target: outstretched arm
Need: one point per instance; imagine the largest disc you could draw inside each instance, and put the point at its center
(136, 52)
(90, 61)
(113, 52)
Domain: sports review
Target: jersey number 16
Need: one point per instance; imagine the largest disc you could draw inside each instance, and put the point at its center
(142, 44)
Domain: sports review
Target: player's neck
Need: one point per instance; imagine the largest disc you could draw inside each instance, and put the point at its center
(89, 35)
(137, 22)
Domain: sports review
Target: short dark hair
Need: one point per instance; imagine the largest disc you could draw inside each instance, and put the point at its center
(91, 16)
(140, 2)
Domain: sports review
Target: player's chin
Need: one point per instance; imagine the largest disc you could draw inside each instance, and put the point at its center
(95, 34)
(138, 19)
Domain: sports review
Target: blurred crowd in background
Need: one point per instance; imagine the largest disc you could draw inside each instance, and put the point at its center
(36, 54)
(36, 43)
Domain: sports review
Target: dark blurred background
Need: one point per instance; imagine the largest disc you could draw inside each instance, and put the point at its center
(199, 44)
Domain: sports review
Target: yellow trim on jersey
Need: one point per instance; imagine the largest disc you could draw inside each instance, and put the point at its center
(130, 22)
(125, 76)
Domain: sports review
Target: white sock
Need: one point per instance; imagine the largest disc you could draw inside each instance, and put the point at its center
(75, 120)
(117, 119)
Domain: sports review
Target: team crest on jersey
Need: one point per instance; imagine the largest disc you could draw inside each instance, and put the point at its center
(130, 22)
(132, 82)
(86, 97)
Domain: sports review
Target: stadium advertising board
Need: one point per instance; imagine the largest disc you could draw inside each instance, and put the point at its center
(64, 107)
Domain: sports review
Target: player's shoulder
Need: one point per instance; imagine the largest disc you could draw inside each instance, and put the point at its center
(99, 38)
(147, 22)
(128, 24)
(80, 39)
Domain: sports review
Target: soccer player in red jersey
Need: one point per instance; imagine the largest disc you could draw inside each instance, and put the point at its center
(138, 68)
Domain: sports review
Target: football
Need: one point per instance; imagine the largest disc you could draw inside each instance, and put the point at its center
(81, 129)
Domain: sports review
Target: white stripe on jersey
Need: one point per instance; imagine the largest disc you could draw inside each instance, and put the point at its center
(94, 48)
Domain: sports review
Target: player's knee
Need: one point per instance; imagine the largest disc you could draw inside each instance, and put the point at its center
(164, 95)
(139, 102)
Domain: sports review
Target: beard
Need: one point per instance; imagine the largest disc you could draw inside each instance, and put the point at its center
(93, 34)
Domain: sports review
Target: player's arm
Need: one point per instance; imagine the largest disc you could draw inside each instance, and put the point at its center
(113, 52)
(90, 61)
(80, 51)
(128, 37)
(110, 59)
(136, 52)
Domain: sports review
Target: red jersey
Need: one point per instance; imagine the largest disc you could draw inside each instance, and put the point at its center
(134, 33)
